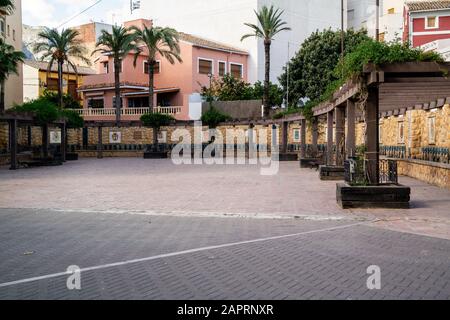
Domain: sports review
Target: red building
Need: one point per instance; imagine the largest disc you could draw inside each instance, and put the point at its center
(426, 21)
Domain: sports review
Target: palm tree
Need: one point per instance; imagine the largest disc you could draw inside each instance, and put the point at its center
(157, 40)
(270, 24)
(119, 44)
(60, 48)
(7, 6)
(9, 62)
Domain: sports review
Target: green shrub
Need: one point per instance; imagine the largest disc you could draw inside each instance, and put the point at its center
(156, 120)
(73, 119)
(68, 101)
(43, 110)
(214, 117)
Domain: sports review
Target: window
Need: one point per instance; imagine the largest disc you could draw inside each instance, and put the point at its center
(401, 132)
(296, 135)
(222, 68)
(52, 84)
(236, 70)
(205, 66)
(96, 103)
(156, 68)
(431, 22)
(106, 67)
(14, 35)
(9, 31)
(120, 67)
(391, 11)
(432, 130)
(351, 14)
(2, 26)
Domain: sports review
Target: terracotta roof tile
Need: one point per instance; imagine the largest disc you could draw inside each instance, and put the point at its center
(202, 42)
(43, 65)
(427, 5)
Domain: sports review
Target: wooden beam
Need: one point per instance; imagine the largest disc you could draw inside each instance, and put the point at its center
(13, 143)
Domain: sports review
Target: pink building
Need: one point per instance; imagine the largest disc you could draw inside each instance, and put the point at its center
(174, 84)
(426, 21)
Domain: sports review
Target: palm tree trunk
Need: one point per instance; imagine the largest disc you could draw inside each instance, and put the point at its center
(267, 78)
(2, 96)
(151, 83)
(60, 84)
(118, 105)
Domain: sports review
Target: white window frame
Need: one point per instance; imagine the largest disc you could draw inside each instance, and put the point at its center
(157, 61)
(107, 69)
(121, 66)
(431, 125)
(3, 22)
(205, 59)
(400, 138)
(237, 64)
(437, 23)
(96, 98)
(296, 131)
(218, 68)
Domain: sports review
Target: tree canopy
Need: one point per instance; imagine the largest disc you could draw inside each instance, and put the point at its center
(312, 69)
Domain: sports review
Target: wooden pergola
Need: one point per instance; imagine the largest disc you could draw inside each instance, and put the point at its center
(387, 90)
(14, 119)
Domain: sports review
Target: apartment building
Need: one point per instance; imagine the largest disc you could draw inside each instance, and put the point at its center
(11, 31)
(223, 21)
(176, 86)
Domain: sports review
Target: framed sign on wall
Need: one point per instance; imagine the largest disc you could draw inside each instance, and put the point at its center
(55, 137)
(115, 137)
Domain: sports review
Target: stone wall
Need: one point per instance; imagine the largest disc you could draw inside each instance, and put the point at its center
(434, 173)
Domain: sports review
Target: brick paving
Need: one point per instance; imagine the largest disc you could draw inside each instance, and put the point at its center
(159, 187)
(96, 212)
(322, 265)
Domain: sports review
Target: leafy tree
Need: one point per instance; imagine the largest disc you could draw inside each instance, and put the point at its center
(60, 47)
(312, 69)
(7, 6)
(68, 101)
(229, 88)
(161, 41)
(44, 111)
(119, 44)
(213, 117)
(9, 62)
(73, 119)
(156, 121)
(270, 24)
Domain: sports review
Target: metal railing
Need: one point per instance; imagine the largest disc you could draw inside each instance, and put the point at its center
(92, 112)
(432, 154)
(356, 172)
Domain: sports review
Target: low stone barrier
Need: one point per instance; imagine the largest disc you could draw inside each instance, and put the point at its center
(434, 173)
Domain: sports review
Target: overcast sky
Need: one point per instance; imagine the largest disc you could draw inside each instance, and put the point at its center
(52, 13)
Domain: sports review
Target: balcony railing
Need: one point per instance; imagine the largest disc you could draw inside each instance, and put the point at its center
(91, 112)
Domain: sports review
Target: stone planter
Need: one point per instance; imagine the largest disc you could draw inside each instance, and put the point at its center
(71, 156)
(386, 196)
(288, 157)
(332, 173)
(156, 155)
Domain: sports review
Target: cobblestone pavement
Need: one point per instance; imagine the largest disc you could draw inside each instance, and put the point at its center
(320, 260)
(161, 188)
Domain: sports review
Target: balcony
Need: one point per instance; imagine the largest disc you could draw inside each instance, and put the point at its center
(126, 114)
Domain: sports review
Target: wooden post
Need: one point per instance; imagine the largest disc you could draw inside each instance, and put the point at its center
(13, 143)
(29, 137)
(373, 144)
(315, 135)
(330, 122)
(100, 143)
(45, 141)
(284, 128)
(351, 131)
(63, 142)
(303, 139)
(251, 143)
(340, 136)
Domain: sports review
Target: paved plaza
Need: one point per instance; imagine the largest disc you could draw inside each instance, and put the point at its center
(146, 229)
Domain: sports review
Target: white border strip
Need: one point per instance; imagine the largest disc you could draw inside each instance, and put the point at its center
(173, 254)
